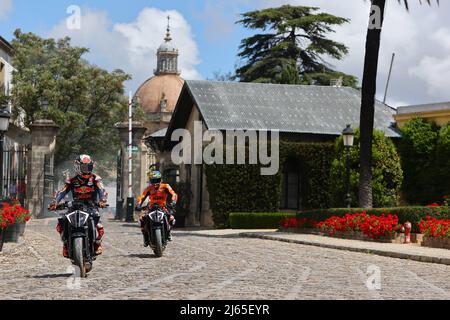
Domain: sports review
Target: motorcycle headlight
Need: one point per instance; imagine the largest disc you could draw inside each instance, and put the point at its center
(77, 218)
(157, 216)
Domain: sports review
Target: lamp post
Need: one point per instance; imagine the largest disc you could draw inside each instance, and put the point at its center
(130, 199)
(349, 136)
(4, 125)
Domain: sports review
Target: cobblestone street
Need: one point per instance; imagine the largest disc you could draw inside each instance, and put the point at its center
(196, 267)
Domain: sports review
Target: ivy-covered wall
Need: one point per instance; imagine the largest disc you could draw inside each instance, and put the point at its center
(387, 174)
(241, 188)
(425, 154)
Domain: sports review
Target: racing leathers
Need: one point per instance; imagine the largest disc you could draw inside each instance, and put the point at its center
(157, 194)
(88, 189)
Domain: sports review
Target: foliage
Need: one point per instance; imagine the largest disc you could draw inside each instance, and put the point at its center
(12, 212)
(368, 92)
(292, 49)
(241, 188)
(411, 214)
(386, 169)
(254, 220)
(183, 190)
(372, 226)
(295, 222)
(425, 153)
(435, 228)
(311, 218)
(53, 81)
(4, 99)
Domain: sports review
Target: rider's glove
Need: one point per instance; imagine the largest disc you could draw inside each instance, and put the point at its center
(52, 206)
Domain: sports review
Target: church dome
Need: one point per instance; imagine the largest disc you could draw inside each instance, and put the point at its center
(167, 46)
(160, 93)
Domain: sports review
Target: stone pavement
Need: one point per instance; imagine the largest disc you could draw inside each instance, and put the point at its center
(219, 266)
(402, 251)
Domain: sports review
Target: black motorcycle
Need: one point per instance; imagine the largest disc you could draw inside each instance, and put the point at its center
(80, 233)
(156, 225)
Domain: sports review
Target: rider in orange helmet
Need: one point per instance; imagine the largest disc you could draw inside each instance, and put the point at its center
(158, 193)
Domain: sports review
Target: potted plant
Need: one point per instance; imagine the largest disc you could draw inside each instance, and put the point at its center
(16, 217)
(6, 219)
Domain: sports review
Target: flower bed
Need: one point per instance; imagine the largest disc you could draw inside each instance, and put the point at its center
(372, 227)
(436, 232)
(357, 226)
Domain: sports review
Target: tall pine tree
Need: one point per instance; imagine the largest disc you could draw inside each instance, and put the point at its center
(292, 47)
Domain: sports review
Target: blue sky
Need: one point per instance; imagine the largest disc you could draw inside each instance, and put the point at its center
(126, 34)
(41, 16)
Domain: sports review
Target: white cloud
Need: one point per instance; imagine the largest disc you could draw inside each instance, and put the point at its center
(132, 46)
(5, 8)
(413, 36)
(435, 72)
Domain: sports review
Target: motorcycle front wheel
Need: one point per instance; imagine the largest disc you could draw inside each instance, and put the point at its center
(78, 256)
(158, 243)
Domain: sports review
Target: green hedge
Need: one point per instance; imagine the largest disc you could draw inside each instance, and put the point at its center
(241, 188)
(387, 174)
(272, 220)
(425, 154)
(254, 220)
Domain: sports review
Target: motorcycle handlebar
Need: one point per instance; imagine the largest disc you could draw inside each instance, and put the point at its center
(66, 205)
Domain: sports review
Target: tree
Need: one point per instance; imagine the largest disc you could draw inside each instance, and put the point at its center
(388, 174)
(52, 81)
(425, 153)
(292, 50)
(369, 87)
(4, 99)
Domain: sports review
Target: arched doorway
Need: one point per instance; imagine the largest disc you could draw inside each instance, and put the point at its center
(291, 185)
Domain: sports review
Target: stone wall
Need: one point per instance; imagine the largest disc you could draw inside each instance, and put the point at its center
(43, 140)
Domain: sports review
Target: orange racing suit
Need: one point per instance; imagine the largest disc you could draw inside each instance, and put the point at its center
(157, 194)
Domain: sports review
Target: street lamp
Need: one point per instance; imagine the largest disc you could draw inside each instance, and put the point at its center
(4, 125)
(349, 136)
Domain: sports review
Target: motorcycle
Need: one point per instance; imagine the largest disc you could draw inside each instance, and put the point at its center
(80, 233)
(156, 225)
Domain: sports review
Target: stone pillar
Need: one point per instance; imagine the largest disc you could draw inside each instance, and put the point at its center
(138, 153)
(43, 140)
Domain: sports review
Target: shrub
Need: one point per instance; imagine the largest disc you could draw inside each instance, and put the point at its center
(435, 228)
(387, 174)
(241, 188)
(253, 220)
(404, 214)
(12, 212)
(372, 226)
(183, 190)
(425, 154)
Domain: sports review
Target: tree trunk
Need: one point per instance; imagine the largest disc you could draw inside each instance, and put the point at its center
(369, 89)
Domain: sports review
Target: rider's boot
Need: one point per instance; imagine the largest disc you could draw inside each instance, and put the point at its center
(65, 251)
(98, 249)
(171, 224)
(146, 238)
